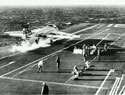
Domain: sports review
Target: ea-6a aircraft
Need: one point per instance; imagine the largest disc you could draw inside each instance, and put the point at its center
(50, 32)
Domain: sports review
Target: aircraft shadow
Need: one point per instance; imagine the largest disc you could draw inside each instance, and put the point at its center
(112, 60)
(80, 79)
(89, 74)
(58, 71)
(100, 70)
(97, 69)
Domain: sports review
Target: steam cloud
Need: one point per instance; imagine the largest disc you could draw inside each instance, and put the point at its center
(26, 46)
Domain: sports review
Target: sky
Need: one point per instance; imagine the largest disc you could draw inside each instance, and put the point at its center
(60, 2)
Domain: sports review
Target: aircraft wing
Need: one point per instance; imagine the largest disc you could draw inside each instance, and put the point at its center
(44, 30)
(53, 34)
(12, 34)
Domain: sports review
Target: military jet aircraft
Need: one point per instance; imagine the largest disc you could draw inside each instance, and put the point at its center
(50, 32)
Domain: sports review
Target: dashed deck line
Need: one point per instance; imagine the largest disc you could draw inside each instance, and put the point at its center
(112, 89)
(9, 55)
(102, 30)
(103, 39)
(55, 83)
(85, 29)
(122, 91)
(100, 26)
(12, 62)
(69, 79)
(121, 79)
(118, 38)
(30, 63)
(115, 86)
(109, 25)
(104, 81)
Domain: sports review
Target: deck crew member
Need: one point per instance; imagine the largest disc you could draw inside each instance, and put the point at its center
(93, 49)
(51, 41)
(75, 72)
(83, 47)
(88, 50)
(58, 62)
(84, 54)
(98, 53)
(45, 89)
(26, 29)
(87, 65)
(74, 50)
(75, 69)
(75, 75)
(40, 66)
(105, 47)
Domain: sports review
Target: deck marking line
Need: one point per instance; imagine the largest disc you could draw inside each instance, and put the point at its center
(114, 85)
(7, 64)
(85, 29)
(100, 26)
(111, 70)
(122, 90)
(57, 83)
(117, 39)
(69, 79)
(9, 55)
(103, 39)
(119, 84)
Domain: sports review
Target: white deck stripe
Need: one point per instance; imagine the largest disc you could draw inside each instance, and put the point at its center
(7, 64)
(118, 34)
(114, 85)
(119, 84)
(102, 39)
(104, 81)
(56, 83)
(30, 63)
(10, 55)
(109, 25)
(69, 79)
(116, 25)
(100, 26)
(85, 29)
(117, 39)
(122, 90)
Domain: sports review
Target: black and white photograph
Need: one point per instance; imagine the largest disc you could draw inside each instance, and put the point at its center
(62, 47)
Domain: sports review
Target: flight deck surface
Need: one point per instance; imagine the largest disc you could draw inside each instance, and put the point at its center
(18, 73)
